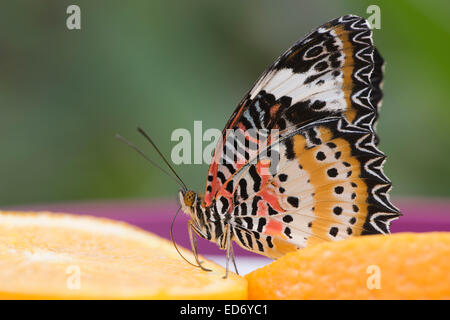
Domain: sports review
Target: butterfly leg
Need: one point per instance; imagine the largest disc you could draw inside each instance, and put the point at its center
(194, 246)
(193, 241)
(233, 258)
(229, 249)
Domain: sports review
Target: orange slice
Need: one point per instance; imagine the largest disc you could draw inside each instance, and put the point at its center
(61, 256)
(400, 266)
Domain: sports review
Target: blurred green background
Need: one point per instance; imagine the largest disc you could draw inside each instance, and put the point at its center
(163, 64)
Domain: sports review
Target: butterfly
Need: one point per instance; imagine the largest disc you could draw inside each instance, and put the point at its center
(322, 97)
(306, 167)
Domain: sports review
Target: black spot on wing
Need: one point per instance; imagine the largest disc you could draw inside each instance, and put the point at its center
(269, 241)
(229, 186)
(315, 76)
(271, 210)
(255, 205)
(249, 240)
(221, 177)
(290, 154)
(225, 204)
(240, 237)
(256, 178)
(260, 245)
(261, 223)
(293, 201)
(334, 231)
(249, 222)
(243, 189)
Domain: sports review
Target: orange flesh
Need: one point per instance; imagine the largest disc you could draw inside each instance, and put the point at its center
(43, 255)
(399, 266)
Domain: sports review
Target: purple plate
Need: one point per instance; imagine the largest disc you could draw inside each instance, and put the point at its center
(419, 215)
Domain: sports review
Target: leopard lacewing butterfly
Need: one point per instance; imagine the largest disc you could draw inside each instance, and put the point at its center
(322, 98)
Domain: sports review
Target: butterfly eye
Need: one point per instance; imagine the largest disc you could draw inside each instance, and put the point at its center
(189, 198)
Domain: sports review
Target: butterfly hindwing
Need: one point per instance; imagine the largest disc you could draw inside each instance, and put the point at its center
(324, 189)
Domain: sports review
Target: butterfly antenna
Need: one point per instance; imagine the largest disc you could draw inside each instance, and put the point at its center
(161, 155)
(149, 160)
(175, 244)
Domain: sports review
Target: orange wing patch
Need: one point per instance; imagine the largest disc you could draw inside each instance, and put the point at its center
(339, 194)
(347, 70)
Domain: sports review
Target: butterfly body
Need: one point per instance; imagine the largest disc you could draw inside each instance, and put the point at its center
(304, 166)
(206, 222)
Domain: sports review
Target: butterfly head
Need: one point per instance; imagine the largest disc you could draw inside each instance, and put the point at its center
(187, 200)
